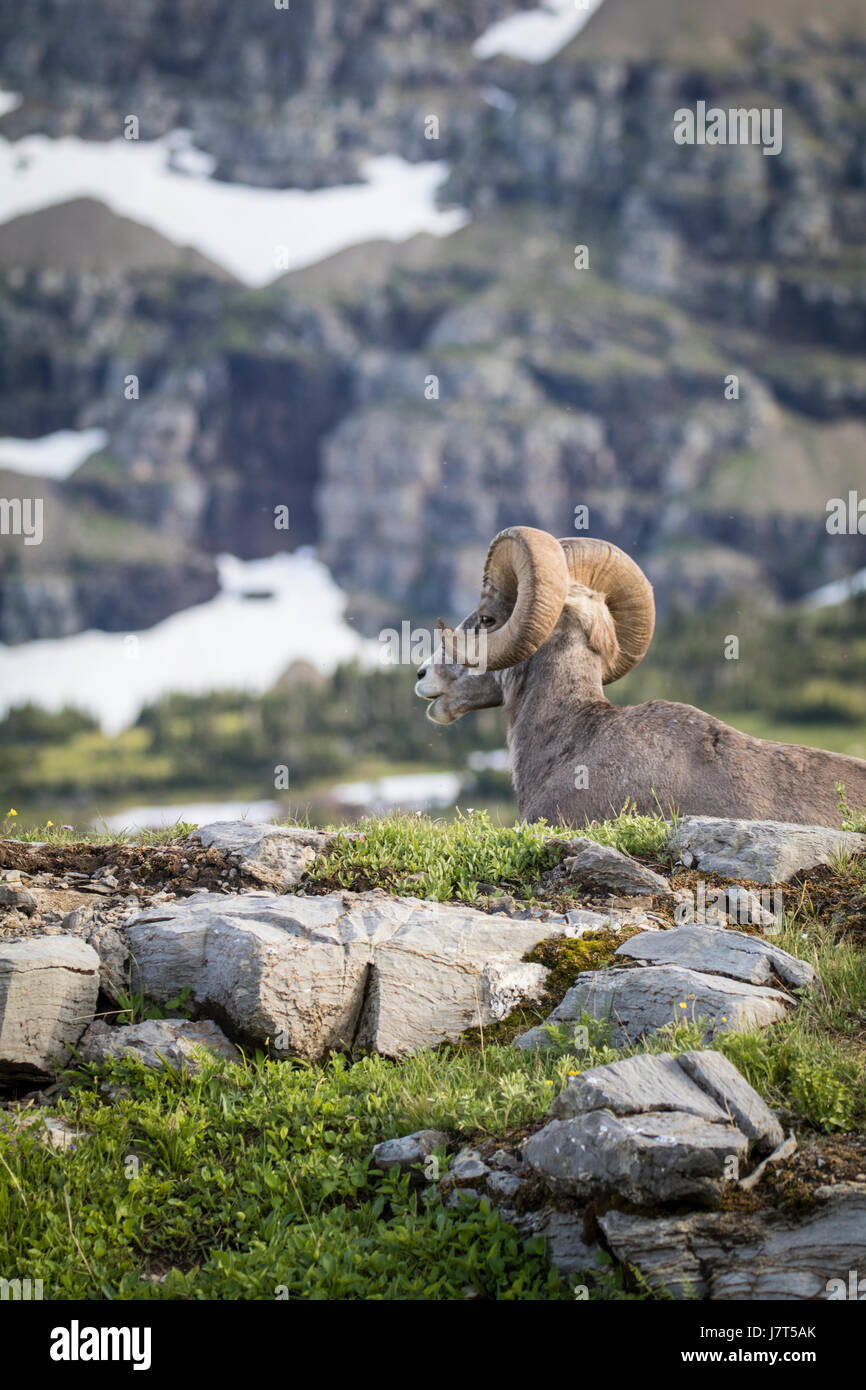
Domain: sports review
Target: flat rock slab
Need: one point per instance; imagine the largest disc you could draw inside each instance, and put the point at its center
(157, 1041)
(719, 951)
(705, 1084)
(635, 1084)
(48, 990)
(729, 1255)
(639, 1001)
(277, 856)
(310, 974)
(603, 867)
(761, 851)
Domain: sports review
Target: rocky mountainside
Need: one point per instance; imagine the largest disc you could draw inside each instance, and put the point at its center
(288, 97)
(407, 400)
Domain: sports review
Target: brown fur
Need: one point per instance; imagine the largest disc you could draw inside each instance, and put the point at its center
(660, 755)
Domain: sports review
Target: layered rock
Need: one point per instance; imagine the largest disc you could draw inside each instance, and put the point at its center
(653, 1129)
(761, 851)
(48, 992)
(633, 1003)
(310, 974)
(728, 1255)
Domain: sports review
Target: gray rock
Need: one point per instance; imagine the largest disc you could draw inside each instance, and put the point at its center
(411, 1149)
(652, 1128)
(77, 918)
(17, 898)
(638, 1001)
(108, 943)
(566, 1248)
(505, 983)
(277, 856)
(48, 990)
(602, 867)
(761, 851)
(468, 1166)
(744, 908)
(645, 1158)
(719, 906)
(310, 974)
(462, 1197)
(503, 1186)
(636, 1084)
(157, 1041)
(503, 1161)
(720, 951)
(730, 1255)
(705, 1084)
(718, 1077)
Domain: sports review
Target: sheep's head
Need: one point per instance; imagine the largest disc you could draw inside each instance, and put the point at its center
(534, 585)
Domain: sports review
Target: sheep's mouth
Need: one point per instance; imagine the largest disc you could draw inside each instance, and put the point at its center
(434, 711)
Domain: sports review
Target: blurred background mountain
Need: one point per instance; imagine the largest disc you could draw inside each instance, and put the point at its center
(285, 294)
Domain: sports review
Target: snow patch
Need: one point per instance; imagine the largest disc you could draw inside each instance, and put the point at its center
(255, 233)
(232, 641)
(54, 455)
(536, 36)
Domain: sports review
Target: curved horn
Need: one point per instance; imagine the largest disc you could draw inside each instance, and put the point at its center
(627, 591)
(529, 566)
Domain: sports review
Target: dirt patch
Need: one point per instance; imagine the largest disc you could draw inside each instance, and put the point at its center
(822, 1161)
(184, 868)
(838, 900)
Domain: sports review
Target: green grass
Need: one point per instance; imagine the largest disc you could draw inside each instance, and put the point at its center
(51, 834)
(449, 859)
(250, 1178)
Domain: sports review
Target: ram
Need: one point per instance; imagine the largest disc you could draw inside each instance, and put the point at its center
(557, 621)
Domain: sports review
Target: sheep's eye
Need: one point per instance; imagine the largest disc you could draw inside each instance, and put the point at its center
(484, 620)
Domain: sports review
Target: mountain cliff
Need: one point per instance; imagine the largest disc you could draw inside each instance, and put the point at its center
(407, 400)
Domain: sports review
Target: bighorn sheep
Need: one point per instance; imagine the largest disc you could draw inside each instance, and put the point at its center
(563, 619)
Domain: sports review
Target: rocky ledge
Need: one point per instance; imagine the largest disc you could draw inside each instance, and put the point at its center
(228, 920)
(638, 1159)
